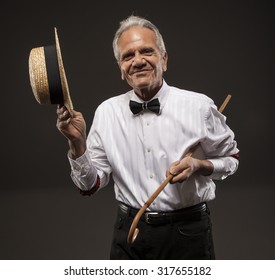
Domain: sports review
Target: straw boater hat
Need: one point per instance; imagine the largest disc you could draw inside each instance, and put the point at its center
(47, 76)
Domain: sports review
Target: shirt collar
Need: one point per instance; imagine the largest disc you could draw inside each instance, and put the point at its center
(162, 95)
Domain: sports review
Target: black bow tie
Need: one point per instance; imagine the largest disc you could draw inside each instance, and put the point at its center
(153, 106)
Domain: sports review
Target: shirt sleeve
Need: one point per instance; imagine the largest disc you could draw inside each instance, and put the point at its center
(219, 144)
(223, 167)
(92, 170)
(83, 173)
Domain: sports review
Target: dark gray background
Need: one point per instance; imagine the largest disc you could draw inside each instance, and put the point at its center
(214, 47)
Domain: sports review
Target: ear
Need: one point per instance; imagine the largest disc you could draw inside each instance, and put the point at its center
(121, 72)
(164, 61)
(122, 75)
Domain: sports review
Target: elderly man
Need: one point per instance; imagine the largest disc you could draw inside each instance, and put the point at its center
(139, 138)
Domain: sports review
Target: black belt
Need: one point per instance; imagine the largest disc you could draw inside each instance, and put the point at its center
(152, 217)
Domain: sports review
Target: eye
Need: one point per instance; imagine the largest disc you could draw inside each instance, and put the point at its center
(147, 51)
(127, 56)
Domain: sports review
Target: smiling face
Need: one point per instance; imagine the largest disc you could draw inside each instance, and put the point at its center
(141, 62)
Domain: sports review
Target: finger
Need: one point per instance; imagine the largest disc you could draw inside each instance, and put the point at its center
(63, 115)
(61, 109)
(173, 168)
(181, 177)
(61, 125)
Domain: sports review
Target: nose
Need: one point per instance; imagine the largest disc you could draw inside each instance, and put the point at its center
(138, 60)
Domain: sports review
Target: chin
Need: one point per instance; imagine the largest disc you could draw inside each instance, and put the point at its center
(143, 82)
(142, 85)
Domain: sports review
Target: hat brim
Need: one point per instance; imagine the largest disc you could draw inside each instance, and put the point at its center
(47, 76)
(65, 88)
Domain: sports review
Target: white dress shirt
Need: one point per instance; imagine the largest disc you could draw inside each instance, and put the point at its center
(138, 149)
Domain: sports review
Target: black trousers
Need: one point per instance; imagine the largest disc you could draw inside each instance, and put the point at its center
(187, 239)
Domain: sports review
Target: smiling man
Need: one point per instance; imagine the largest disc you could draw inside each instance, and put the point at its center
(141, 61)
(139, 138)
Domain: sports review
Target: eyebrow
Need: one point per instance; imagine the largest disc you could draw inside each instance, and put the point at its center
(141, 50)
(129, 52)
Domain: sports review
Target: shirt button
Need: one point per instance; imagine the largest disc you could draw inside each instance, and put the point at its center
(151, 176)
(148, 123)
(148, 150)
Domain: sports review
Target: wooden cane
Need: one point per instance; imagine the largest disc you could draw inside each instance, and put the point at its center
(133, 232)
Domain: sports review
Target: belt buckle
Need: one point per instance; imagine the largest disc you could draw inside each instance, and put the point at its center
(149, 215)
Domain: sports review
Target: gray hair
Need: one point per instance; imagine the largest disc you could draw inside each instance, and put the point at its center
(133, 21)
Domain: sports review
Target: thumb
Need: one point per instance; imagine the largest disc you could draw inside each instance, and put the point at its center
(173, 168)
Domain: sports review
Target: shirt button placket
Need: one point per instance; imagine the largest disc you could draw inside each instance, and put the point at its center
(148, 149)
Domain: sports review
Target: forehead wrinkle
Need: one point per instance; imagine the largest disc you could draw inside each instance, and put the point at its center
(136, 34)
(134, 38)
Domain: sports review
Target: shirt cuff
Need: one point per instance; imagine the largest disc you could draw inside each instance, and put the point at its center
(223, 167)
(80, 161)
(84, 173)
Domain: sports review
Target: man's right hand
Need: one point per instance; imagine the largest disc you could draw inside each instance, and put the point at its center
(73, 128)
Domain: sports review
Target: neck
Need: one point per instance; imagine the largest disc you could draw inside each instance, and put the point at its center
(147, 93)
